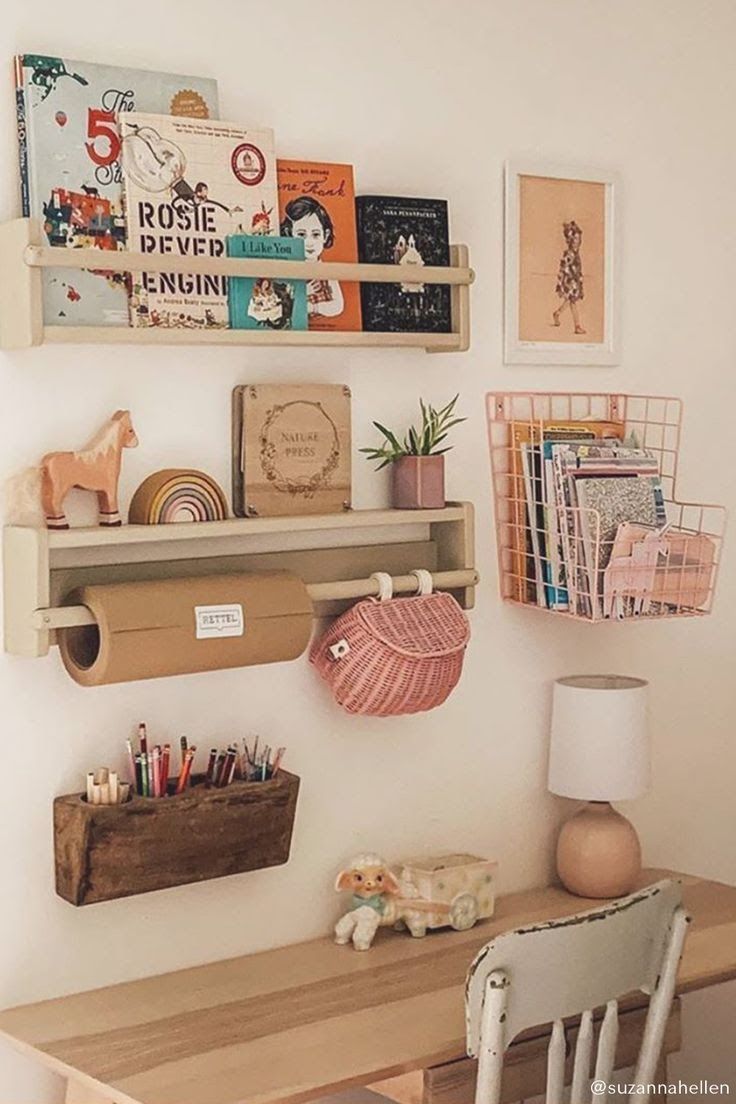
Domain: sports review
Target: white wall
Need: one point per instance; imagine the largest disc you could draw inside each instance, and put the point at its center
(424, 98)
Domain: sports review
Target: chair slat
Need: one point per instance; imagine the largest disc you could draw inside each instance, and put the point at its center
(492, 1040)
(556, 1064)
(580, 1091)
(660, 1004)
(606, 1055)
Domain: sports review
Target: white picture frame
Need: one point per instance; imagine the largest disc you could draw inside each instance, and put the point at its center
(606, 348)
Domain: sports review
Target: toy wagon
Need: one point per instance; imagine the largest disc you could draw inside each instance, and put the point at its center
(443, 891)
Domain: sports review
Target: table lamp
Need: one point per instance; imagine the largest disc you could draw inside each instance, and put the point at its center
(599, 753)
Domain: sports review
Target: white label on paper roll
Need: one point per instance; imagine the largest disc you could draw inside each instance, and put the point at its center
(218, 621)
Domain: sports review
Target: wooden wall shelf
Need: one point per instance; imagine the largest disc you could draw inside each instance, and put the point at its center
(23, 256)
(103, 852)
(333, 553)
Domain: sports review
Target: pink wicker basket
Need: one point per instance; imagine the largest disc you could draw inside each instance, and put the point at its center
(388, 658)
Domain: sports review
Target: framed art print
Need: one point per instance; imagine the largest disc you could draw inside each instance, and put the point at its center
(561, 265)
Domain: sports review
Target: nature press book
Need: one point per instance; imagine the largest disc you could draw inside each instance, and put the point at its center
(406, 232)
(188, 185)
(70, 172)
(266, 303)
(317, 204)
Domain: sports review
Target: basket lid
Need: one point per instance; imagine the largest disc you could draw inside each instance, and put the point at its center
(422, 625)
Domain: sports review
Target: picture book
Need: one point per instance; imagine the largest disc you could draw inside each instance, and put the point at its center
(70, 172)
(524, 572)
(187, 185)
(317, 204)
(407, 232)
(611, 500)
(266, 302)
(291, 449)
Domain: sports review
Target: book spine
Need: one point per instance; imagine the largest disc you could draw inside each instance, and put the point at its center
(22, 130)
(130, 277)
(367, 291)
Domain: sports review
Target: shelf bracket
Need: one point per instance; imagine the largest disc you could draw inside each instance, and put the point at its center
(21, 292)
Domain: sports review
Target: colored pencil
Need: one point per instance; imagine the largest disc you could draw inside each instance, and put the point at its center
(156, 756)
(220, 768)
(277, 761)
(165, 761)
(227, 768)
(131, 757)
(186, 768)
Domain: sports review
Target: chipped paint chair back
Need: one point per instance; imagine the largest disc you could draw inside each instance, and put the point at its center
(547, 972)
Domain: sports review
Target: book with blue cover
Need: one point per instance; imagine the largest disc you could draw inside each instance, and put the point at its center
(265, 303)
(70, 171)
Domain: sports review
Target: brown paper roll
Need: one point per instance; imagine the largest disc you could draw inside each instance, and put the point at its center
(178, 626)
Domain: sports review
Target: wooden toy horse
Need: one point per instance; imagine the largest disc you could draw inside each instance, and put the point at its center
(95, 468)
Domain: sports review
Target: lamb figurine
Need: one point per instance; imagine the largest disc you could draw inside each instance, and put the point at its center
(375, 902)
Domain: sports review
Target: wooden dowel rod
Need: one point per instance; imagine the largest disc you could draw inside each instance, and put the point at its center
(42, 256)
(65, 617)
(403, 584)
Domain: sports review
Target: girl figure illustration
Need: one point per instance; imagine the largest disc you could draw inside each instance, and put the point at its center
(307, 219)
(265, 306)
(570, 276)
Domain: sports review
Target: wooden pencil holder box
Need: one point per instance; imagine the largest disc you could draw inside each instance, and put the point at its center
(108, 851)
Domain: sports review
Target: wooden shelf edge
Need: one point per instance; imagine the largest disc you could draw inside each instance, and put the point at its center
(93, 536)
(152, 335)
(125, 260)
(23, 256)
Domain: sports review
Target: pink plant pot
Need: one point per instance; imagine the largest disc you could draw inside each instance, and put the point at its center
(418, 483)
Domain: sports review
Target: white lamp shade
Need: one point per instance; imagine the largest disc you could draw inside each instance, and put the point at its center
(599, 747)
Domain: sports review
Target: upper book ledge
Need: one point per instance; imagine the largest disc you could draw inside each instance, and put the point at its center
(23, 255)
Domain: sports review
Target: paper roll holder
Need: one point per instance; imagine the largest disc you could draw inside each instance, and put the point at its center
(334, 554)
(69, 617)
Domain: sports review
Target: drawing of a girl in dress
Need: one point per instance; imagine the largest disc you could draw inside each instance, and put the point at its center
(570, 276)
(307, 219)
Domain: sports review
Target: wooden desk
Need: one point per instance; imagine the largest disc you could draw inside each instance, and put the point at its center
(302, 1021)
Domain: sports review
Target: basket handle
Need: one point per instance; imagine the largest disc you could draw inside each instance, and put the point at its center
(425, 583)
(385, 585)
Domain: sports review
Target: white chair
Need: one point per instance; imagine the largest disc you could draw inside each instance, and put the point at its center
(563, 968)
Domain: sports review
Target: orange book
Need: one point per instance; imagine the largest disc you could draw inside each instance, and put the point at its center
(317, 204)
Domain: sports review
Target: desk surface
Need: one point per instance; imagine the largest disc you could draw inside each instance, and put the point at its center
(304, 1020)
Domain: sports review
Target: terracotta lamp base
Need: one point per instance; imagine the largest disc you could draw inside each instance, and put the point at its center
(598, 852)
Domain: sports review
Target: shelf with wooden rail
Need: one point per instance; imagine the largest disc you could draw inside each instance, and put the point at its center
(335, 555)
(24, 256)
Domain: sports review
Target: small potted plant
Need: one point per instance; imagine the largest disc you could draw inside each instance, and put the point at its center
(417, 462)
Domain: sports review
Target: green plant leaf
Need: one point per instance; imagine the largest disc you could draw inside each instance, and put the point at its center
(387, 434)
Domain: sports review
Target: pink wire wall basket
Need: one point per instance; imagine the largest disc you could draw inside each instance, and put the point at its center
(588, 524)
